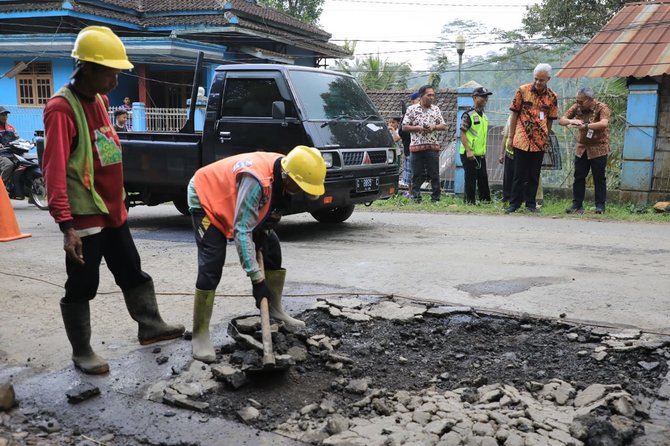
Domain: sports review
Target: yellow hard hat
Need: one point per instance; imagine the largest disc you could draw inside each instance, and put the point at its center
(306, 167)
(99, 44)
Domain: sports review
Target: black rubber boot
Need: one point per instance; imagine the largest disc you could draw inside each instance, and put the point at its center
(143, 308)
(77, 320)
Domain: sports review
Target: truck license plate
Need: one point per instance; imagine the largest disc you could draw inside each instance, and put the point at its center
(367, 184)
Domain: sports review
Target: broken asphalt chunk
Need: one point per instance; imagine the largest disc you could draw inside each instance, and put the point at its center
(81, 392)
(648, 365)
(7, 396)
(184, 402)
(233, 377)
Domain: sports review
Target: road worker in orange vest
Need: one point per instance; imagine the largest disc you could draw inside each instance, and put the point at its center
(83, 169)
(240, 198)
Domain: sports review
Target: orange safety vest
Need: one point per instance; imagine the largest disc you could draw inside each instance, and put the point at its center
(216, 186)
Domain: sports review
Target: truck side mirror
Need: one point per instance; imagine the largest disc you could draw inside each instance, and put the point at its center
(278, 110)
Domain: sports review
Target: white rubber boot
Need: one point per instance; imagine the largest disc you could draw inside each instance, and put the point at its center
(201, 347)
(274, 279)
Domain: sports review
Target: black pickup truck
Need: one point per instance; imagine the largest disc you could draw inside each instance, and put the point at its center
(273, 108)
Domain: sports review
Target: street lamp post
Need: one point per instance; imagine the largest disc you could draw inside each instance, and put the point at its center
(460, 49)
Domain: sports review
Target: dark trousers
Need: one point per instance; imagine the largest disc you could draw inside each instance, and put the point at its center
(212, 245)
(428, 161)
(116, 246)
(527, 167)
(597, 166)
(508, 178)
(476, 177)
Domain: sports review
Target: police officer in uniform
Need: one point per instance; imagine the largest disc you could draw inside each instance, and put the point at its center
(474, 133)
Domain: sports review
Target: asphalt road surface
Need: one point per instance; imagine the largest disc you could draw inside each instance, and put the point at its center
(615, 273)
(607, 272)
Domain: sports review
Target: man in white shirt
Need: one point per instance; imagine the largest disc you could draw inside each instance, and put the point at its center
(423, 121)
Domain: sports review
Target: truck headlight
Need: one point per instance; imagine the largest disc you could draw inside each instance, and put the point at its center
(390, 156)
(328, 159)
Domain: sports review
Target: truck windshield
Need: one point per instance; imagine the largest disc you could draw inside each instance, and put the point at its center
(326, 96)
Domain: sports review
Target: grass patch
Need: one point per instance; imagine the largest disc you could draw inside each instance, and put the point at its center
(552, 207)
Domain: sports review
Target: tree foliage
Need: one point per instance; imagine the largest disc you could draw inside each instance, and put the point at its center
(307, 11)
(434, 80)
(440, 54)
(571, 19)
(373, 73)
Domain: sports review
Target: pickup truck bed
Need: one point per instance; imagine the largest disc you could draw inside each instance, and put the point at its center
(166, 159)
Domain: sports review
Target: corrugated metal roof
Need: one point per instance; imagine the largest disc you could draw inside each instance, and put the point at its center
(255, 19)
(389, 104)
(635, 42)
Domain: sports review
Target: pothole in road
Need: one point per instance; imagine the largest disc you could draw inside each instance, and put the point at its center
(506, 288)
(391, 374)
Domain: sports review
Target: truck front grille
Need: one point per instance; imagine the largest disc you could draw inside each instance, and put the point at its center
(358, 158)
(377, 156)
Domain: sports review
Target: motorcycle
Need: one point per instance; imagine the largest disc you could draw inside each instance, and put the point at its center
(27, 178)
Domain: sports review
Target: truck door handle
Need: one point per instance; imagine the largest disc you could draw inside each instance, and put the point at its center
(224, 136)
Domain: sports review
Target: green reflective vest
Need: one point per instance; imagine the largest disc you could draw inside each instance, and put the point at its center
(477, 134)
(84, 200)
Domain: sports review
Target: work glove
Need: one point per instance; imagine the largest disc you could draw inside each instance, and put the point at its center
(261, 290)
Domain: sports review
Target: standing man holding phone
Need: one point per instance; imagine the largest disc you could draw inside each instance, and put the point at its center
(591, 118)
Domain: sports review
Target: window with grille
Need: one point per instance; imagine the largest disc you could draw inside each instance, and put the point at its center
(34, 84)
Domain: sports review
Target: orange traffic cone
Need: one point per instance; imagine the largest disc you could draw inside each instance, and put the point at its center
(9, 228)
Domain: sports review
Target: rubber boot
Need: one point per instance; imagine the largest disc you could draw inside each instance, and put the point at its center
(274, 279)
(142, 306)
(77, 320)
(201, 347)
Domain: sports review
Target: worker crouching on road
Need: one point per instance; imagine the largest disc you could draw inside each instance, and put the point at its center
(241, 198)
(84, 175)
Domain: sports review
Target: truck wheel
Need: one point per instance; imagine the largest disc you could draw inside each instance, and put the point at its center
(333, 215)
(181, 205)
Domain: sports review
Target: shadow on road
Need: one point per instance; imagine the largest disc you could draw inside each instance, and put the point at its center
(299, 231)
(177, 228)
